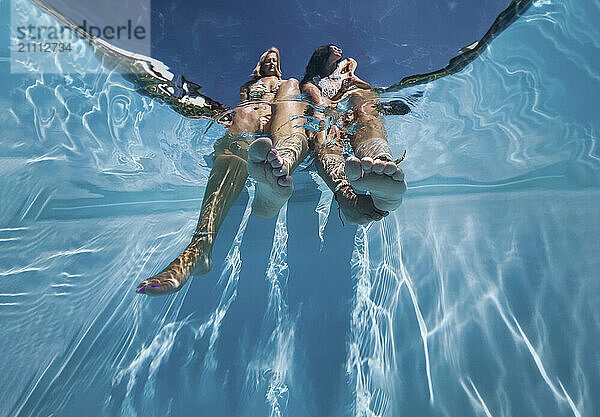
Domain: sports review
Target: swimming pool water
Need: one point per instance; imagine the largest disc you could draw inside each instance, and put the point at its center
(478, 297)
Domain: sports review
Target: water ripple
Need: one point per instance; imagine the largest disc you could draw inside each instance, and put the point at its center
(477, 297)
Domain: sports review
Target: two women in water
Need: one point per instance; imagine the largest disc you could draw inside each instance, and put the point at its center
(267, 141)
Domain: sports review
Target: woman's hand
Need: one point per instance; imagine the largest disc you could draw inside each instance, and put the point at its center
(350, 85)
(360, 84)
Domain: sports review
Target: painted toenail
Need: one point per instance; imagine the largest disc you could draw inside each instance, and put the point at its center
(155, 285)
(141, 289)
(284, 180)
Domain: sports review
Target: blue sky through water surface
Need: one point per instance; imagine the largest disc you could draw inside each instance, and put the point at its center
(217, 44)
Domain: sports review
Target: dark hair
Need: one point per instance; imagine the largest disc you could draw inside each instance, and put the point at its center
(316, 64)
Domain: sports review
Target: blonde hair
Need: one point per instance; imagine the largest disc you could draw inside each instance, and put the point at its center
(256, 73)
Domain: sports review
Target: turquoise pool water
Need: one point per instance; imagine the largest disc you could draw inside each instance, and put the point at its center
(478, 297)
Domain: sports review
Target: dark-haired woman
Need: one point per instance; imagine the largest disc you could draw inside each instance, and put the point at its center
(330, 79)
(267, 109)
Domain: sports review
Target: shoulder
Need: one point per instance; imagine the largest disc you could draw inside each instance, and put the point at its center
(249, 84)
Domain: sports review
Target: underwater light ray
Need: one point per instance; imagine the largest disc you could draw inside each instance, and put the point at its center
(323, 206)
(228, 280)
(268, 369)
(520, 335)
(422, 329)
(477, 399)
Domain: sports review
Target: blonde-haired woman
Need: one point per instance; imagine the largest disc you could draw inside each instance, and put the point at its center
(268, 107)
(256, 73)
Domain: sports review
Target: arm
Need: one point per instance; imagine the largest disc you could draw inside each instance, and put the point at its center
(244, 93)
(349, 86)
(356, 82)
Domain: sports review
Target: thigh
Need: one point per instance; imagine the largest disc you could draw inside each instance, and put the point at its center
(287, 111)
(368, 124)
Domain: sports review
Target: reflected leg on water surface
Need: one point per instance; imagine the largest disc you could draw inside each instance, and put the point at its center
(225, 183)
(372, 168)
(272, 160)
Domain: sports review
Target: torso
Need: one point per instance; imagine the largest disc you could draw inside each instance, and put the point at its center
(264, 89)
(332, 85)
(263, 92)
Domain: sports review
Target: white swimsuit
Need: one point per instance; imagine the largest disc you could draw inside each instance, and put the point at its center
(332, 84)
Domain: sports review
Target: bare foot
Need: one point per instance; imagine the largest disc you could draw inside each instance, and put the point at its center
(196, 259)
(358, 208)
(382, 179)
(274, 185)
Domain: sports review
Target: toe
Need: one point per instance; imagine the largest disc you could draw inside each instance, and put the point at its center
(272, 156)
(389, 168)
(367, 165)
(378, 167)
(153, 289)
(259, 149)
(285, 181)
(154, 286)
(398, 175)
(147, 287)
(383, 213)
(376, 216)
(276, 163)
(280, 172)
(353, 168)
(141, 288)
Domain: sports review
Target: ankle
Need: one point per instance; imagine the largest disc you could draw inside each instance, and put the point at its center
(375, 148)
(203, 238)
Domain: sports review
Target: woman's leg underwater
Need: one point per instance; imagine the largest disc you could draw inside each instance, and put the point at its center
(329, 160)
(372, 169)
(225, 183)
(271, 161)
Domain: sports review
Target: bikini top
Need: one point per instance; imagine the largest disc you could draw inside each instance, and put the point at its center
(332, 84)
(260, 88)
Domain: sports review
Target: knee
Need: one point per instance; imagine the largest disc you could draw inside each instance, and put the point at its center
(366, 109)
(364, 95)
(291, 83)
(246, 111)
(245, 115)
(364, 102)
(290, 86)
